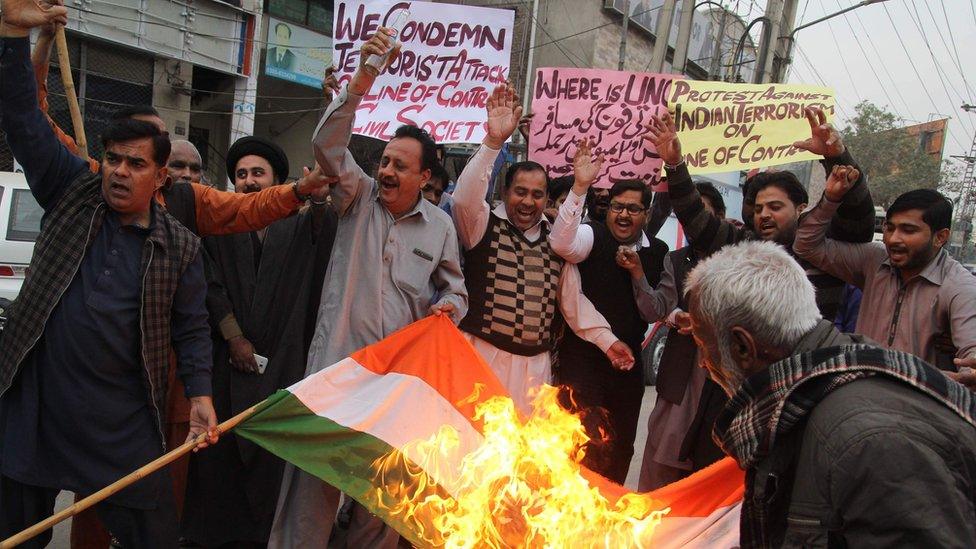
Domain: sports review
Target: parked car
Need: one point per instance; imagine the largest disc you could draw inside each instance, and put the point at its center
(20, 224)
(653, 350)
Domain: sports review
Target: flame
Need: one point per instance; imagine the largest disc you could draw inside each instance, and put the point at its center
(523, 486)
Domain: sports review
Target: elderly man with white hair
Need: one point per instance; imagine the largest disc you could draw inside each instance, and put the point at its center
(844, 443)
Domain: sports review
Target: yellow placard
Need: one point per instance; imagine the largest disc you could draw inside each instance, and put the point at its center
(725, 127)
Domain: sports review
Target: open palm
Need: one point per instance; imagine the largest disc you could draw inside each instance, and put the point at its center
(586, 164)
(504, 113)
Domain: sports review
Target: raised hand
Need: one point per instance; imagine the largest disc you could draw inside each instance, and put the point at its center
(504, 113)
(586, 165)
(379, 44)
(840, 180)
(330, 84)
(663, 134)
(824, 139)
(27, 14)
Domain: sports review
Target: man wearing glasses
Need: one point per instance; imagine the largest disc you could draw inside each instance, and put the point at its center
(607, 392)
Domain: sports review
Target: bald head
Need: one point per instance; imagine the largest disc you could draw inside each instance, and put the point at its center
(185, 163)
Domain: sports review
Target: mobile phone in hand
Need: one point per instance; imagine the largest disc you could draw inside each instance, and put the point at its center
(262, 362)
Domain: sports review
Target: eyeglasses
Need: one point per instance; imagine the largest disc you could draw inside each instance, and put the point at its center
(632, 209)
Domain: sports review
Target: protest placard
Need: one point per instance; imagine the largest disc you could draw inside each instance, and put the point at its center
(726, 127)
(453, 56)
(612, 107)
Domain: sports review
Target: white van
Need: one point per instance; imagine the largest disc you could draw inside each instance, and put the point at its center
(20, 223)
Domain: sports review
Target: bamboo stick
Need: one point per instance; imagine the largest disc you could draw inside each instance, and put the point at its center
(64, 63)
(122, 483)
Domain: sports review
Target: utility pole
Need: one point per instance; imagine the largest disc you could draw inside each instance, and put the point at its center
(662, 33)
(527, 96)
(767, 46)
(963, 227)
(782, 43)
(684, 37)
(623, 37)
(713, 71)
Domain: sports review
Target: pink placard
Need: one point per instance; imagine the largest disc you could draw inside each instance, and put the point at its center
(612, 107)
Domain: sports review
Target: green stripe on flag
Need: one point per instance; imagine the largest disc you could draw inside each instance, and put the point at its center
(343, 457)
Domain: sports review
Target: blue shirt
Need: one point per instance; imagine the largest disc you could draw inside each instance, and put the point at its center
(79, 415)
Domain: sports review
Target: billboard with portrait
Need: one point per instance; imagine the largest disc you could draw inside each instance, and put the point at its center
(296, 54)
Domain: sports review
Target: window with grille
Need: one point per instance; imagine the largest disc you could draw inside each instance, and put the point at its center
(107, 78)
(314, 14)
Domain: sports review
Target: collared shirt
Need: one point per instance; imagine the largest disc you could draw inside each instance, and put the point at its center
(906, 316)
(384, 272)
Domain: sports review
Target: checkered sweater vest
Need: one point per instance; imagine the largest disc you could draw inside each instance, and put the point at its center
(512, 289)
(68, 231)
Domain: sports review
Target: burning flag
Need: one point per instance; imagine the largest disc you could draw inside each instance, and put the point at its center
(419, 430)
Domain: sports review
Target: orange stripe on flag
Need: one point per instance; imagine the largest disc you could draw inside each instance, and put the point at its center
(434, 350)
(721, 484)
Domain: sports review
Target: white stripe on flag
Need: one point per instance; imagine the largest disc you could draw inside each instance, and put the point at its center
(395, 408)
(718, 530)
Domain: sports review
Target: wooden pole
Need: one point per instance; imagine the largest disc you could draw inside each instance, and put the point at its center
(64, 63)
(122, 483)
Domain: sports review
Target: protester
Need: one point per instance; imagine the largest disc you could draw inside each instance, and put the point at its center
(558, 191)
(843, 445)
(610, 397)
(510, 270)
(515, 279)
(780, 199)
(434, 188)
(185, 164)
(916, 298)
(85, 353)
(680, 383)
(393, 253)
(261, 293)
(203, 210)
(597, 203)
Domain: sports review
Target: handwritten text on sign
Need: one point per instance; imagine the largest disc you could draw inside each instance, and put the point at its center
(727, 127)
(614, 108)
(452, 57)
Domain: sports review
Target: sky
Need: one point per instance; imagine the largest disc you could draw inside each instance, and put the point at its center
(860, 54)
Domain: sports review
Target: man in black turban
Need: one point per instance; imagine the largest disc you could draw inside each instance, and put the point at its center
(264, 290)
(255, 163)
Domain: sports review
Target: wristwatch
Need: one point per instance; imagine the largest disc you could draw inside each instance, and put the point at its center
(301, 197)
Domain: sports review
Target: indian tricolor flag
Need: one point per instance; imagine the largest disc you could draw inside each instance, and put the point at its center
(402, 427)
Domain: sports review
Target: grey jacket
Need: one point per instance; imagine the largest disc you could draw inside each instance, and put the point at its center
(877, 464)
(882, 465)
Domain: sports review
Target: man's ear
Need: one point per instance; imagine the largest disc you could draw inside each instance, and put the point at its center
(800, 208)
(941, 237)
(744, 349)
(161, 175)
